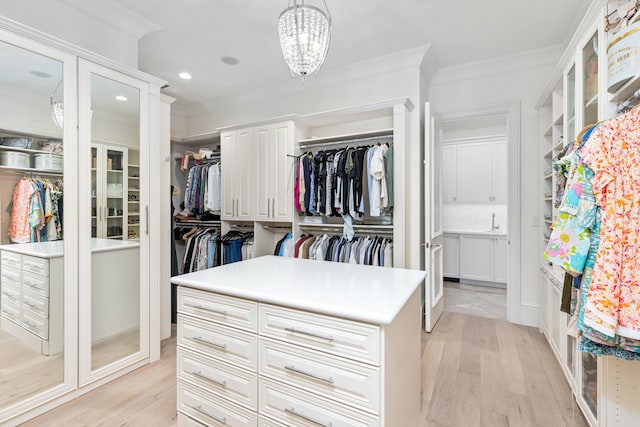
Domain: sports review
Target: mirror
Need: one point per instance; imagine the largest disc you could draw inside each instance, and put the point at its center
(31, 255)
(115, 221)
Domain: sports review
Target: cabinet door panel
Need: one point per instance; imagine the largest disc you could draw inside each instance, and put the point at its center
(476, 257)
(283, 175)
(500, 259)
(228, 185)
(500, 172)
(244, 173)
(451, 256)
(449, 180)
(473, 163)
(264, 171)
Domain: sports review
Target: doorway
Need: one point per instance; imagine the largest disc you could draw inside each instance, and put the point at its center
(475, 213)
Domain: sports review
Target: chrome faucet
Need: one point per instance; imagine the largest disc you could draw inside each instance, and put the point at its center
(494, 227)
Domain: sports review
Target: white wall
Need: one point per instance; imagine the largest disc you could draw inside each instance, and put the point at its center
(61, 19)
(521, 78)
(386, 78)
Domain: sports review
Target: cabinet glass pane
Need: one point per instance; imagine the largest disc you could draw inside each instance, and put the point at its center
(590, 81)
(571, 104)
(590, 382)
(31, 180)
(115, 261)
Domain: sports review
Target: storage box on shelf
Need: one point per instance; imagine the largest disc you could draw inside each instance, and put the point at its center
(32, 153)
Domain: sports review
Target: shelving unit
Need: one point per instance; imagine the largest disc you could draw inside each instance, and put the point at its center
(133, 195)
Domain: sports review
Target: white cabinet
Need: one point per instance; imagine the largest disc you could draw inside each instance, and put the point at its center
(109, 181)
(483, 258)
(451, 256)
(475, 172)
(237, 174)
(274, 172)
(449, 174)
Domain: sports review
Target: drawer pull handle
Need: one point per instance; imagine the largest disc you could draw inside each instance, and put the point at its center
(32, 265)
(309, 374)
(311, 334)
(31, 324)
(10, 276)
(212, 310)
(30, 304)
(213, 380)
(292, 411)
(218, 419)
(31, 284)
(10, 296)
(216, 345)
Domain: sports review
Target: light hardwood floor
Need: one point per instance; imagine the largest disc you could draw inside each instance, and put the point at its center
(475, 372)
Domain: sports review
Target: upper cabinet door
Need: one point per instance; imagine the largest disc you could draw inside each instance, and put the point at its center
(474, 164)
(265, 157)
(283, 172)
(228, 143)
(245, 175)
(114, 112)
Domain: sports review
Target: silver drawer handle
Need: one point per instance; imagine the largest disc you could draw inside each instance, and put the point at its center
(292, 411)
(309, 374)
(10, 296)
(213, 380)
(218, 419)
(32, 265)
(31, 284)
(311, 334)
(212, 310)
(32, 305)
(10, 276)
(30, 323)
(202, 340)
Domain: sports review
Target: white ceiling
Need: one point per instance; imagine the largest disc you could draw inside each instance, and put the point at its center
(195, 34)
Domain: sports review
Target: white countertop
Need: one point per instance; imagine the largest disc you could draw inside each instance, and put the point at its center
(498, 233)
(357, 292)
(56, 248)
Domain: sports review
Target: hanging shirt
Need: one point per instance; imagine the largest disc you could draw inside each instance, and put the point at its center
(19, 230)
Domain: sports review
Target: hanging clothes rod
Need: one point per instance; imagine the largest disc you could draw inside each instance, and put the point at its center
(358, 228)
(197, 223)
(359, 141)
(276, 227)
(239, 227)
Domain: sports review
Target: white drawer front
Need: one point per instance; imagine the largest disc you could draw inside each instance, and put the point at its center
(212, 410)
(11, 276)
(267, 422)
(35, 283)
(355, 340)
(332, 377)
(35, 303)
(297, 408)
(11, 293)
(185, 421)
(35, 324)
(10, 259)
(35, 265)
(11, 311)
(219, 342)
(219, 378)
(230, 311)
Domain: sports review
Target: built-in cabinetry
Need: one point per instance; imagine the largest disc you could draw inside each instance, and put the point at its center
(237, 174)
(32, 299)
(475, 172)
(80, 313)
(259, 163)
(476, 258)
(269, 351)
(576, 96)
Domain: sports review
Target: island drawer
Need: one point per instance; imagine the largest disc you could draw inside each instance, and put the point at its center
(222, 379)
(333, 377)
(218, 341)
(217, 308)
(11, 276)
(36, 283)
(211, 410)
(359, 341)
(35, 265)
(298, 408)
(10, 259)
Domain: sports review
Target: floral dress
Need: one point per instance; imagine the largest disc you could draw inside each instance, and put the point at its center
(613, 299)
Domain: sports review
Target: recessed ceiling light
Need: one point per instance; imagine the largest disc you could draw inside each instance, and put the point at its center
(121, 98)
(229, 60)
(185, 76)
(41, 74)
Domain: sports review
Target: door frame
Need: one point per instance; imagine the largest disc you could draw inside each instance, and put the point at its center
(511, 110)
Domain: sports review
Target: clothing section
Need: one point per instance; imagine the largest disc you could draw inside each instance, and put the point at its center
(203, 192)
(36, 211)
(364, 250)
(595, 236)
(354, 181)
(201, 248)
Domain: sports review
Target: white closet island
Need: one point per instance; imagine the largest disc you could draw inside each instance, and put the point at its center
(286, 341)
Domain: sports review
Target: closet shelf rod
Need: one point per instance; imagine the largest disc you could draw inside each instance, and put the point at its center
(359, 142)
(276, 227)
(372, 229)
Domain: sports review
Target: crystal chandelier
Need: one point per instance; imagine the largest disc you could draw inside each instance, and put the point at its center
(304, 32)
(57, 109)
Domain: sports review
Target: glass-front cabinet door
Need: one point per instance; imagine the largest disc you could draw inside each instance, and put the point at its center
(38, 194)
(114, 126)
(570, 99)
(590, 81)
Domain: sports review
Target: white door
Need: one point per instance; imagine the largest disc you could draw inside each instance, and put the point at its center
(434, 292)
(476, 257)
